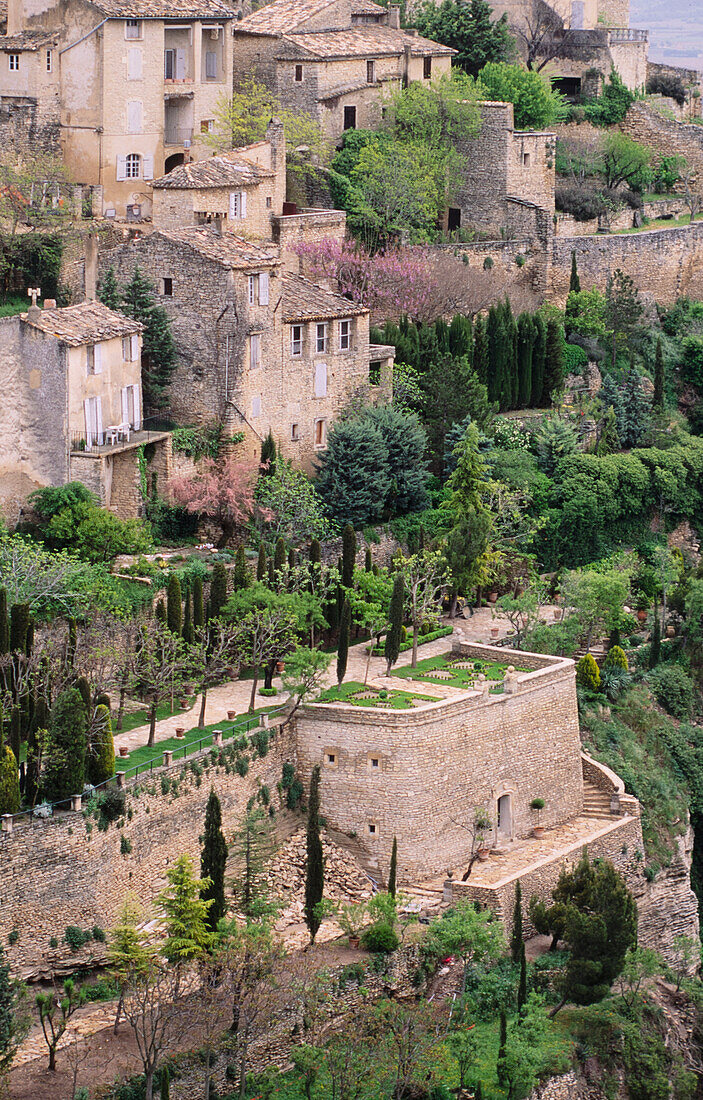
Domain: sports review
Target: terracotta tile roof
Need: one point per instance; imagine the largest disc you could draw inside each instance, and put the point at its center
(27, 40)
(165, 9)
(87, 323)
(367, 7)
(304, 300)
(227, 170)
(361, 40)
(282, 15)
(226, 249)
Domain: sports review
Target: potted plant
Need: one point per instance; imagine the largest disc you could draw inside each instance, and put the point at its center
(124, 751)
(231, 715)
(482, 827)
(538, 804)
(351, 919)
(180, 732)
(495, 631)
(642, 608)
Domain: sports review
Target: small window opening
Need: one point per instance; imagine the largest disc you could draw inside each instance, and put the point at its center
(298, 73)
(168, 288)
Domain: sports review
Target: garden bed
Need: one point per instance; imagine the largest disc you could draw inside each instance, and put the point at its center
(357, 695)
(458, 672)
(443, 632)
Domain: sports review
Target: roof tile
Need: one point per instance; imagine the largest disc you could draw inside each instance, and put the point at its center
(227, 170)
(225, 249)
(86, 323)
(165, 9)
(361, 39)
(304, 300)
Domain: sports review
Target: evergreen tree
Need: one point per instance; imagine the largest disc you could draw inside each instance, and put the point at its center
(522, 984)
(4, 623)
(441, 331)
(501, 1068)
(511, 377)
(261, 564)
(553, 362)
(574, 281)
(461, 338)
(198, 609)
(635, 409)
(393, 870)
(252, 848)
(469, 28)
(353, 478)
(343, 648)
(158, 347)
(174, 605)
(368, 560)
(165, 1085)
(241, 575)
(526, 343)
(16, 731)
(188, 633)
(516, 940)
(213, 861)
(655, 646)
(292, 558)
(19, 625)
(86, 695)
(315, 552)
(9, 787)
(14, 1023)
(539, 354)
(218, 590)
(185, 913)
(101, 758)
(588, 673)
(160, 611)
(64, 754)
(268, 455)
(279, 556)
(109, 291)
(395, 629)
(608, 438)
(659, 376)
(481, 358)
(314, 869)
(348, 555)
(555, 441)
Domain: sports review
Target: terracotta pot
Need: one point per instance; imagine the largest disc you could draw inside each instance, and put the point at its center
(353, 941)
(558, 613)
(231, 714)
(180, 732)
(538, 832)
(671, 631)
(642, 615)
(124, 751)
(495, 631)
(280, 665)
(483, 854)
(492, 597)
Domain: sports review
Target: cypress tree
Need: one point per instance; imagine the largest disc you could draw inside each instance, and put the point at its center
(526, 342)
(634, 408)
(86, 695)
(481, 350)
(19, 624)
(218, 590)
(348, 555)
(160, 611)
(393, 870)
(165, 1086)
(72, 642)
(658, 397)
(188, 635)
(268, 455)
(441, 331)
(29, 638)
(16, 731)
(241, 575)
(516, 940)
(198, 609)
(9, 782)
(539, 352)
(4, 623)
(279, 556)
(101, 759)
(656, 640)
(511, 380)
(314, 869)
(553, 362)
(461, 337)
(522, 984)
(64, 755)
(315, 552)
(343, 649)
(368, 560)
(213, 860)
(261, 564)
(496, 353)
(501, 1067)
(174, 605)
(292, 558)
(392, 647)
(574, 281)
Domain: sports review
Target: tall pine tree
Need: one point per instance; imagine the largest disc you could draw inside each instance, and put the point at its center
(481, 350)
(218, 590)
(395, 629)
(158, 347)
(553, 362)
(343, 648)
(526, 342)
(393, 869)
(314, 868)
(213, 861)
(109, 290)
(539, 354)
(348, 555)
(174, 605)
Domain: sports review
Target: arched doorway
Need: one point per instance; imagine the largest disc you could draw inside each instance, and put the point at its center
(504, 817)
(173, 161)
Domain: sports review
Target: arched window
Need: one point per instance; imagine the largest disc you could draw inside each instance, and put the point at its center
(133, 168)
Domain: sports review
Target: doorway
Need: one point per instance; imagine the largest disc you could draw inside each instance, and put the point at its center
(173, 161)
(504, 817)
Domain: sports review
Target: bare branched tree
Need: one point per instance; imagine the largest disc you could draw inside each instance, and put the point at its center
(543, 35)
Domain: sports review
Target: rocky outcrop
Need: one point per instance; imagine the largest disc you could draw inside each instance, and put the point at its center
(667, 906)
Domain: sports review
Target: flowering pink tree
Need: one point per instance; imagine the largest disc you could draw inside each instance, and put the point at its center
(390, 283)
(222, 490)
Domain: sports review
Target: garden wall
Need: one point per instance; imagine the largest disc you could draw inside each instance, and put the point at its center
(666, 136)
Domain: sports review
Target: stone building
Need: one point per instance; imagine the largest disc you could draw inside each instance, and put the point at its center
(259, 348)
(124, 89)
(334, 59)
(73, 404)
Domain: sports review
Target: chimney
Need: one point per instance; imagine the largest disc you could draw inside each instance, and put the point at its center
(90, 267)
(394, 16)
(49, 303)
(276, 137)
(15, 16)
(217, 225)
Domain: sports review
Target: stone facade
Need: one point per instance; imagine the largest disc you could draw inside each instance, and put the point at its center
(439, 761)
(667, 137)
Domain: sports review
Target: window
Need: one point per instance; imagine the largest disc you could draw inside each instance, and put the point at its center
(49, 61)
(130, 348)
(133, 28)
(92, 407)
(134, 63)
(331, 758)
(255, 350)
(374, 374)
(344, 335)
(255, 407)
(131, 407)
(129, 167)
(427, 68)
(374, 762)
(259, 289)
(373, 830)
(350, 118)
(269, 202)
(296, 340)
(168, 288)
(294, 433)
(321, 338)
(94, 359)
(370, 72)
(320, 380)
(14, 62)
(525, 160)
(207, 126)
(210, 65)
(298, 73)
(320, 435)
(174, 64)
(237, 204)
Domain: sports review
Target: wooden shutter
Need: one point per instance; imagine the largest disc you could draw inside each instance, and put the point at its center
(233, 205)
(180, 64)
(97, 359)
(148, 166)
(134, 347)
(256, 406)
(263, 289)
(125, 405)
(242, 204)
(99, 419)
(134, 63)
(121, 168)
(320, 379)
(210, 65)
(137, 410)
(88, 410)
(134, 117)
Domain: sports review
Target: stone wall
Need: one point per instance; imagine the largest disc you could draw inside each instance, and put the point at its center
(434, 764)
(665, 136)
(308, 227)
(26, 124)
(65, 871)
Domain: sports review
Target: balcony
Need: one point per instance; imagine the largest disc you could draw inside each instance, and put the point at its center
(178, 135)
(627, 34)
(110, 443)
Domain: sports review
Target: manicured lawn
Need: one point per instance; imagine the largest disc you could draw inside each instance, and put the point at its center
(659, 223)
(352, 691)
(458, 677)
(141, 717)
(145, 753)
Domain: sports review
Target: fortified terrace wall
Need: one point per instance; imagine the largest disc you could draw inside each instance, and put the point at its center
(410, 774)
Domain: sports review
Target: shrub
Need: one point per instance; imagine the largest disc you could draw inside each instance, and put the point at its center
(260, 741)
(583, 200)
(111, 803)
(667, 84)
(242, 765)
(575, 359)
(125, 845)
(673, 689)
(101, 758)
(587, 674)
(64, 756)
(98, 934)
(76, 937)
(380, 938)
(615, 658)
(269, 692)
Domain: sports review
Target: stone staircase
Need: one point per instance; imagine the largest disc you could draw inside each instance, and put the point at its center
(596, 803)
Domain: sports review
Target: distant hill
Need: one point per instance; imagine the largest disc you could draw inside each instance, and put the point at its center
(676, 29)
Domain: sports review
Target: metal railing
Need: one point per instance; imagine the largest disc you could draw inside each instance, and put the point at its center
(145, 433)
(177, 135)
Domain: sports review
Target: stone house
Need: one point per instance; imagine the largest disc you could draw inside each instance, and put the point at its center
(124, 89)
(73, 407)
(334, 59)
(259, 348)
